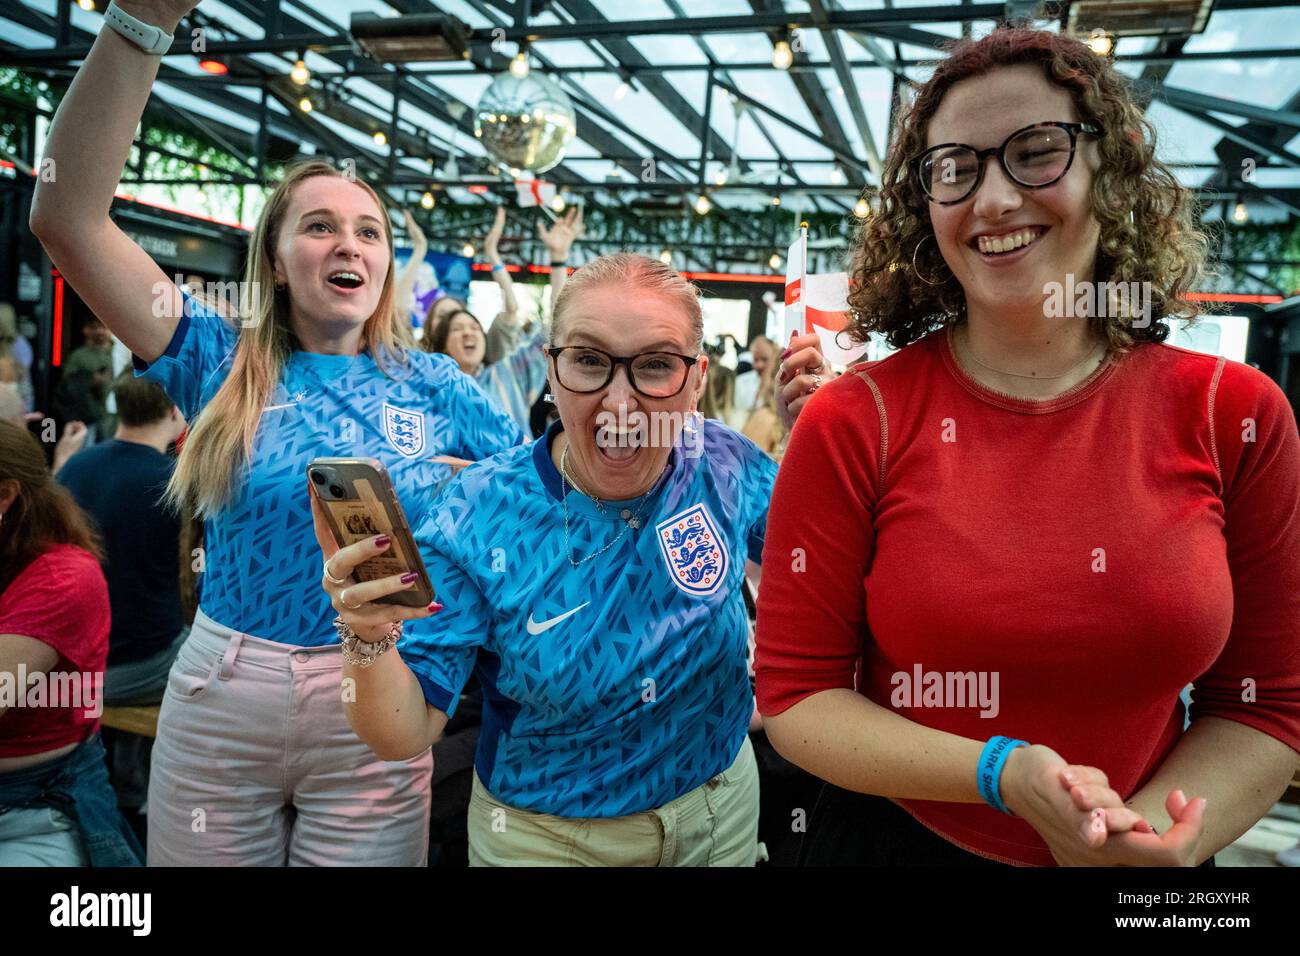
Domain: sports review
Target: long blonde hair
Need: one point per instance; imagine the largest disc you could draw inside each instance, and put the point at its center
(220, 443)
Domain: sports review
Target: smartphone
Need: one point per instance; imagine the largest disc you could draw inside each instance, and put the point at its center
(359, 502)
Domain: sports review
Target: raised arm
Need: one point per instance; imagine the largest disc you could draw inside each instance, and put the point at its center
(89, 143)
(410, 273)
(559, 239)
(491, 249)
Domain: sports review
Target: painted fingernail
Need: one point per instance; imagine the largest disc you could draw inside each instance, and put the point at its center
(408, 577)
(435, 607)
(382, 541)
(786, 354)
(1143, 827)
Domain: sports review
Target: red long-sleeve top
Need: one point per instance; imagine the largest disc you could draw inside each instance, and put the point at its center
(1098, 551)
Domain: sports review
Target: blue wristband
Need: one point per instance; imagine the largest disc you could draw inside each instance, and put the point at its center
(989, 774)
(498, 267)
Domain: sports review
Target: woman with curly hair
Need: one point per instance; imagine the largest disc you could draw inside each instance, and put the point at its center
(1035, 524)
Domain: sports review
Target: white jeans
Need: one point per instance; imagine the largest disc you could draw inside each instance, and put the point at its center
(255, 764)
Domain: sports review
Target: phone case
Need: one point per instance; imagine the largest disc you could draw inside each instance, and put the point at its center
(369, 507)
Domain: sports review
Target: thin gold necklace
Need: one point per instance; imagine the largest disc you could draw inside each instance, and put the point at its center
(1038, 378)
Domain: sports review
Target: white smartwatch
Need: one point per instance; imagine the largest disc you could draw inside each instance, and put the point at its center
(153, 40)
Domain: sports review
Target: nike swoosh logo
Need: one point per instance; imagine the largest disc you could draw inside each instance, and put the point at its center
(535, 627)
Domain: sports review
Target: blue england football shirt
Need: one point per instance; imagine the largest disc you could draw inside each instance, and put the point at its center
(616, 686)
(261, 563)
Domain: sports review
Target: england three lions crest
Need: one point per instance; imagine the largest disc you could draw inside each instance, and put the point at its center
(694, 550)
(404, 430)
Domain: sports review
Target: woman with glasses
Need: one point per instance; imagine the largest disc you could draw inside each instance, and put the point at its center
(594, 583)
(1034, 524)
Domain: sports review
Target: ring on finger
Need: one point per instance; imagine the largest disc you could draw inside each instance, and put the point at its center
(817, 383)
(343, 599)
(331, 578)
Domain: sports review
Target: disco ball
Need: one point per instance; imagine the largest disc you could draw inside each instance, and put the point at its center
(526, 124)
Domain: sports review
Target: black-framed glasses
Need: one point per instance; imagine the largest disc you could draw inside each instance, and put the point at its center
(1033, 157)
(582, 369)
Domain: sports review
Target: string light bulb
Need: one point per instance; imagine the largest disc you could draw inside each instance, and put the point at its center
(666, 257)
(1101, 42)
(305, 104)
(87, 5)
(519, 65)
(702, 204)
(862, 209)
(720, 177)
(782, 55)
(379, 138)
(427, 200)
(557, 203)
(776, 200)
(622, 91)
(775, 261)
(467, 250)
(300, 75)
(837, 176)
(1239, 214)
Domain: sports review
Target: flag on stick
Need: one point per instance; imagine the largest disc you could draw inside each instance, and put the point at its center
(534, 192)
(818, 303)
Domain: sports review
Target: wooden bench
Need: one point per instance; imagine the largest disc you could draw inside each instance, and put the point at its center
(133, 720)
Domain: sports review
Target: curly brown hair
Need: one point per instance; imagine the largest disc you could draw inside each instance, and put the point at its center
(1161, 244)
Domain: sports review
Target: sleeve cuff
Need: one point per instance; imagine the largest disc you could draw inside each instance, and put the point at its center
(174, 346)
(436, 694)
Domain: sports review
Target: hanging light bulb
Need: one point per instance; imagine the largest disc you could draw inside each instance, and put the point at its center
(666, 257)
(837, 176)
(467, 250)
(622, 91)
(862, 209)
(776, 200)
(720, 177)
(519, 65)
(304, 104)
(1239, 213)
(702, 204)
(427, 200)
(300, 75)
(558, 203)
(379, 138)
(1101, 42)
(782, 56)
(87, 5)
(775, 261)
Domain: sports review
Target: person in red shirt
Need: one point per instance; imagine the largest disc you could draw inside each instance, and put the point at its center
(56, 805)
(1034, 521)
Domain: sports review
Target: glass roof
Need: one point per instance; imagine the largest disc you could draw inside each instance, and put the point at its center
(662, 113)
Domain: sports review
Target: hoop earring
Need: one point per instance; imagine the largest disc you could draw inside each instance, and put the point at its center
(928, 235)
